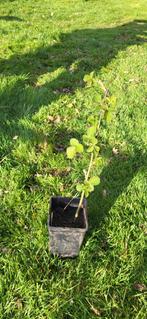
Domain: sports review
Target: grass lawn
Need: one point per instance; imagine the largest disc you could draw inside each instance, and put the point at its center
(46, 48)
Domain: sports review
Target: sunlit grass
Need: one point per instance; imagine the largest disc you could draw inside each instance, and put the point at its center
(46, 49)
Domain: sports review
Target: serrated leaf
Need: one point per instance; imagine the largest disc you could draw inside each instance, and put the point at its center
(85, 139)
(71, 152)
(74, 142)
(91, 119)
(86, 78)
(97, 149)
(98, 161)
(86, 193)
(94, 140)
(90, 149)
(91, 131)
(79, 187)
(79, 148)
(95, 180)
(112, 100)
(90, 141)
(88, 186)
(91, 188)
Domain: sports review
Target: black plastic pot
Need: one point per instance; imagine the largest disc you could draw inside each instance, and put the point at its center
(66, 233)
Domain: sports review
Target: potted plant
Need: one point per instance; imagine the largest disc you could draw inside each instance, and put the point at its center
(67, 221)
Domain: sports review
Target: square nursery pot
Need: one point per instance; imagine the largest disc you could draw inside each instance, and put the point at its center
(66, 233)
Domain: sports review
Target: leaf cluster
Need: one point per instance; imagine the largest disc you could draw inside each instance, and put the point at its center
(88, 186)
(89, 145)
(74, 148)
(103, 112)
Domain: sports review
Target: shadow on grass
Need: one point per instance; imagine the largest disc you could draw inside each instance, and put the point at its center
(76, 54)
(11, 18)
(90, 50)
(115, 178)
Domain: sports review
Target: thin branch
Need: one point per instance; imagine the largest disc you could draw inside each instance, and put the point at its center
(80, 204)
(70, 202)
(86, 179)
(105, 90)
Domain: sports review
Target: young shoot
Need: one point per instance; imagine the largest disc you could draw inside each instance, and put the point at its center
(89, 143)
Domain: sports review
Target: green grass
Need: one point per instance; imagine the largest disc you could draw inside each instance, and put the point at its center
(46, 49)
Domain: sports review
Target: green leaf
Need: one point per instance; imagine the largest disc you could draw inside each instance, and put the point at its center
(91, 119)
(93, 148)
(74, 142)
(90, 141)
(97, 149)
(95, 180)
(93, 140)
(91, 131)
(79, 148)
(80, 187)
(71, 152)
(90, 149)
(86, 193)
(86, 139)
(88, 186)
(98, 98)
(89, 79)
(112, 101)
(108, 116)
(86, 78)
(98, 161)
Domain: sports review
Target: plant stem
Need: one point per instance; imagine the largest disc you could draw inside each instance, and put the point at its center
(89, 168)
(105, 90)
(80, 204)
(87, 174)
(70, 202)
(86, 179)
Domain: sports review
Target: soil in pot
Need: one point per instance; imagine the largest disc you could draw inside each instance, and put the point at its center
(66, 217)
